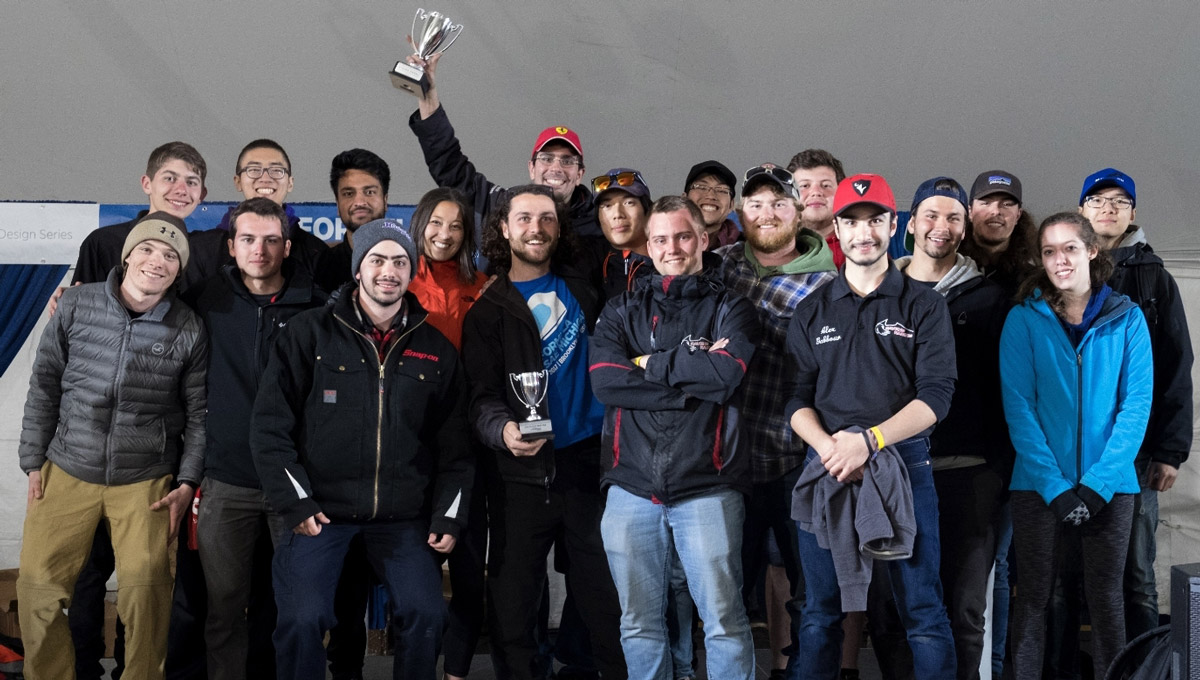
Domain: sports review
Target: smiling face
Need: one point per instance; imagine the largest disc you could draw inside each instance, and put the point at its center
(532, 229)
(557, 165)
(1067, 259)
(444, 232)
(993, 219)
(384, 274)
(713, 197)
(1110, 221)
(151, 267)
(266, 160)
(622, 219)
(675, 243)
(770, 220)
(864, 232)
(817, 187)
(360, 199)
(938, 225)
(176, 188)
(258, 246)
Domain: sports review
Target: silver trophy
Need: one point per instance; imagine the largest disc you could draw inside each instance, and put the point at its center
(531, 390)
(432, 33)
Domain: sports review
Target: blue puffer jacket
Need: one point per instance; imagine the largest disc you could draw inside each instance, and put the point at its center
(1076, 414)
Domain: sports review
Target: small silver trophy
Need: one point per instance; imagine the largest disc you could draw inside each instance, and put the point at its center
(430, 31)
(531, 390)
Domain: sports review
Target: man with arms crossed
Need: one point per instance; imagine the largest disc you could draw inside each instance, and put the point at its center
(873, 350)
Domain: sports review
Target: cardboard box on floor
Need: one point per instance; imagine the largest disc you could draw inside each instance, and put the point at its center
(9, 625)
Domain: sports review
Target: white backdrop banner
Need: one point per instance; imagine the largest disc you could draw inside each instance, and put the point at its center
(44, 233)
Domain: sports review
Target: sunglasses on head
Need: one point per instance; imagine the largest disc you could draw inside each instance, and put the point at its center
(770, 169)
(620, 179)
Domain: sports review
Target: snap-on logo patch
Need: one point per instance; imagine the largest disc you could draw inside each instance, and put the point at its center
(329, 396)
(419, 355)
(885, 328)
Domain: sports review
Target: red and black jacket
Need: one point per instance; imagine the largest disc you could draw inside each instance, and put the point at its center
(671, 430)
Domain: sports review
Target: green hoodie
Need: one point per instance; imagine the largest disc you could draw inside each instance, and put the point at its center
(814, 256)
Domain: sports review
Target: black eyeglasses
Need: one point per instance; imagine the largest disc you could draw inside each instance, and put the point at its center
(254, 172)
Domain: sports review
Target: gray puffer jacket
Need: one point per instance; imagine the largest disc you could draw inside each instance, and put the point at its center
(110, 395)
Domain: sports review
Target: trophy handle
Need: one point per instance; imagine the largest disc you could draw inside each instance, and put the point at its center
(545, 386)
(419, 16)
(456, 30)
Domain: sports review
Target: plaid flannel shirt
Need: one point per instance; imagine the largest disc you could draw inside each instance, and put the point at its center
(774, 448)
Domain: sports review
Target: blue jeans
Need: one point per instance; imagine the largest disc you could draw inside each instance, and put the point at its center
(916, 586)
(706, 533)
(306, 571)
(1141, 594)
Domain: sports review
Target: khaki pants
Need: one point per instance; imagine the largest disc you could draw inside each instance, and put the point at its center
(58, 536)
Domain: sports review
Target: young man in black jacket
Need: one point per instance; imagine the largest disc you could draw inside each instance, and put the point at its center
(667, 361)
(531, 324)
(359, 430)
(245, 307)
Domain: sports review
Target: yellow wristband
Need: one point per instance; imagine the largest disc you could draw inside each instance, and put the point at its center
(640, 361)
(878, 437)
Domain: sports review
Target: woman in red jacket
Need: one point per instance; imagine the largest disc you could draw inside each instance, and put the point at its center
(447, 284)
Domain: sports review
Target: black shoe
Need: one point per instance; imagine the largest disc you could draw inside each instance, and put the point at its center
(778, 674)
(849, 674)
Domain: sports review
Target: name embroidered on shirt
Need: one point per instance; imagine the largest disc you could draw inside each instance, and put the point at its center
(827, 335)
(885, 328)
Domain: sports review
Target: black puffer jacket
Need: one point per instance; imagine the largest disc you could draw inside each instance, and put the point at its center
(110, 395)
(501, 337)
(338, 431)
(241, 333)
(671, 430)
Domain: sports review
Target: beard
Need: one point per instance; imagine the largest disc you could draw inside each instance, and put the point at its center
(774, 241)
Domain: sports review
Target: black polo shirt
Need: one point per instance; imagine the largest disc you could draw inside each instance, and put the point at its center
(862, 359)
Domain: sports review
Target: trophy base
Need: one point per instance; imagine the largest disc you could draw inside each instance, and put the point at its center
(533, 430)
(409, 78)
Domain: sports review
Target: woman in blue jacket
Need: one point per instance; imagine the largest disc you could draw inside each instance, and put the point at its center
(1077, 378)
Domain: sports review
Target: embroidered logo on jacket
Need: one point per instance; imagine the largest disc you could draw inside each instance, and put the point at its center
(329, 397)
(419, 355)
(885, 328)
(158, 349)
(693, 344)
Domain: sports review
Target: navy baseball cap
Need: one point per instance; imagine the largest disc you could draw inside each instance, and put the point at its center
(938, 186)
(1106, 178)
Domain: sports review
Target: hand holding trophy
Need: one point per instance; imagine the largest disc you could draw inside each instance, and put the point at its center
(432, 34)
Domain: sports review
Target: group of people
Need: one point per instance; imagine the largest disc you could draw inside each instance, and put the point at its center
(651, 389)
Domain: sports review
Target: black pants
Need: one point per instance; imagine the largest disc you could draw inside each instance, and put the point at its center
(466, 563)
(1103, 542)
(969, 501)
(348, 638)
(526, 520)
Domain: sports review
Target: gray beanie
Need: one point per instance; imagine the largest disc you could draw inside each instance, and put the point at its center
(370, 234)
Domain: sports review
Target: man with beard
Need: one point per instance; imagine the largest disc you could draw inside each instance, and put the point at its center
(556, 162)
(1000, 233)
(712, 186)
(817, 174)
(970, 449)
(777, 267)
(359, 180)
(875, 371)
(359, 430)
(532, 325)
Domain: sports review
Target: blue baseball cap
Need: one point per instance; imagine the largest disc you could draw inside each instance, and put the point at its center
(1106, 178)
(938, 186)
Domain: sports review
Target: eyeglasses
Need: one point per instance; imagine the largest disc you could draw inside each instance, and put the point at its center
(621, 179)
(1118, 202)
(566, 160)
(254, 172)
(715, 190)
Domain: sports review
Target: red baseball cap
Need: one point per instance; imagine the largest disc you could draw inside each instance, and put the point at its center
(863, 188)
(558, 132)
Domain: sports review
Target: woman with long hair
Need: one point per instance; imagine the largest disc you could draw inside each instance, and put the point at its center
(1077, 379)
(446, 284)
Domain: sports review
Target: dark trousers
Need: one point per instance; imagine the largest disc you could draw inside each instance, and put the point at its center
(526, 520)
(348, 637)
(1103, 544)
(969, 501)
(307, 569)
(466, 563)
(769, 510)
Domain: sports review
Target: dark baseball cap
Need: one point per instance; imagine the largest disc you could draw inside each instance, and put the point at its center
(996, 182)
(714, 168)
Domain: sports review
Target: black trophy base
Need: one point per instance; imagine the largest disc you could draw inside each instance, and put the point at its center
(409, 78)
(533, 430)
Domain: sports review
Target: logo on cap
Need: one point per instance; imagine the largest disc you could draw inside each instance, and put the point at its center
(561, 130)
(862, 186)
(1000, 179)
